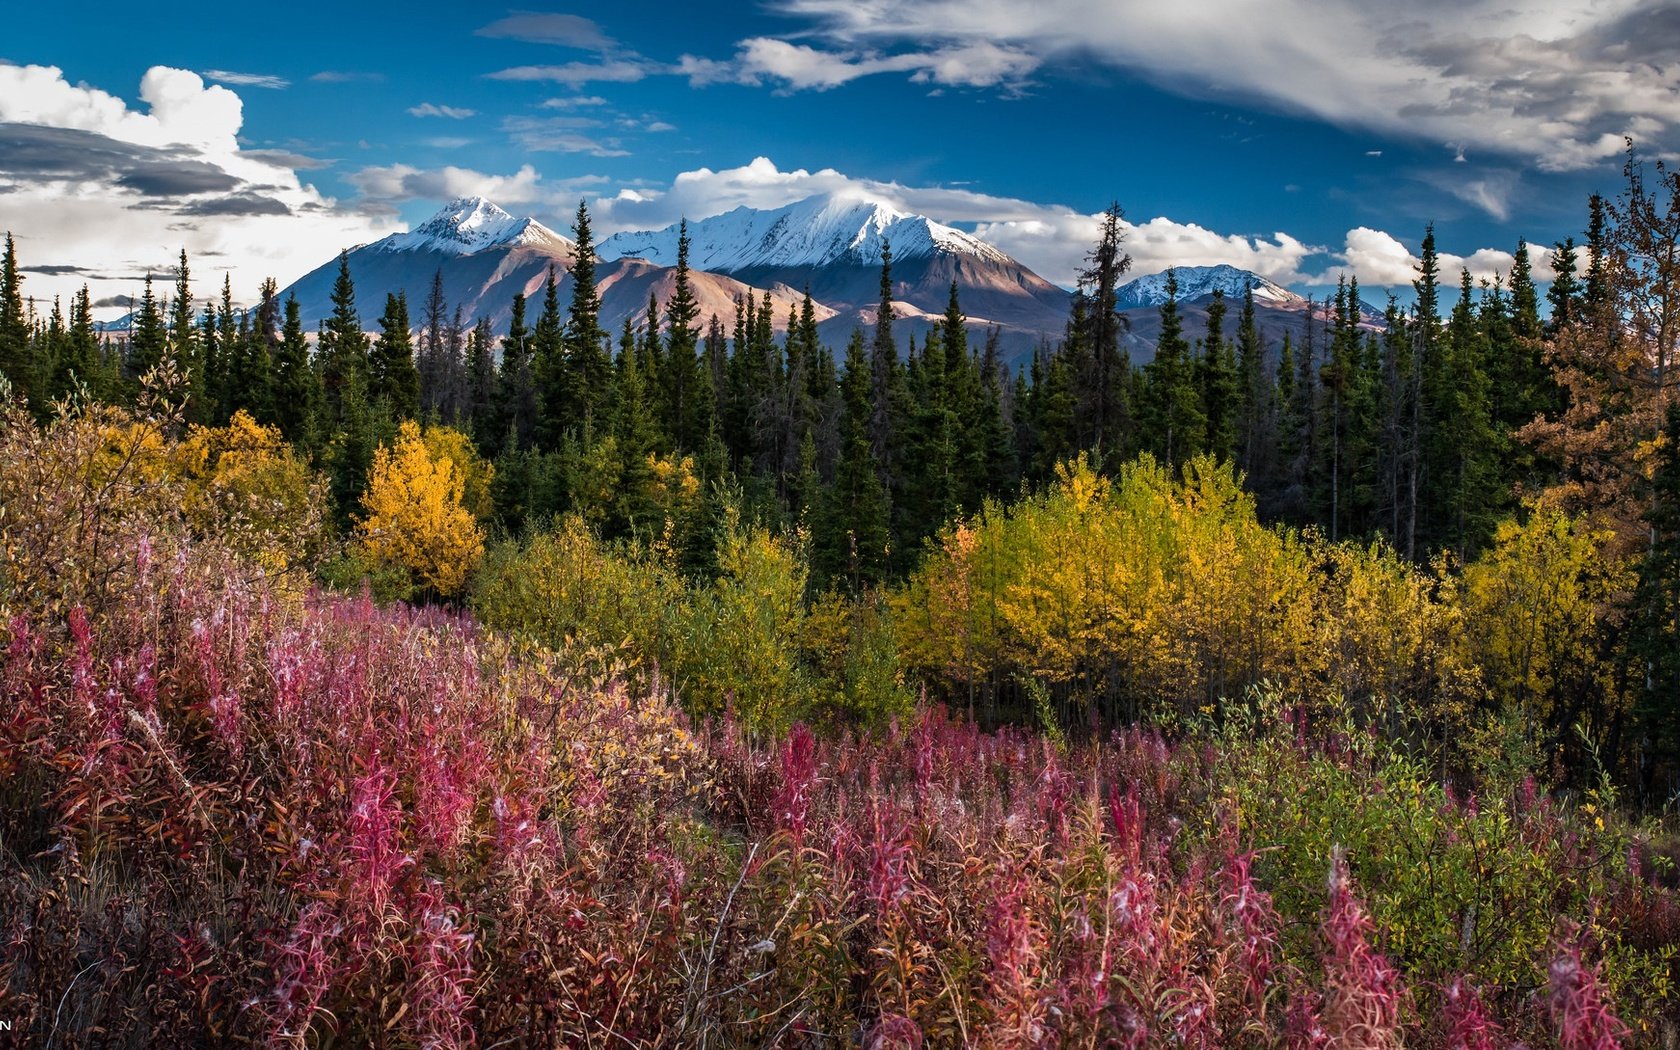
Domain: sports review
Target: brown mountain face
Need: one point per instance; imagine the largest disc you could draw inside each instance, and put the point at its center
(485, 282)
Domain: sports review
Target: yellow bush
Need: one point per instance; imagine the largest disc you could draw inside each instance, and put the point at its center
(414, 516)
(477, 473)
(246, 487)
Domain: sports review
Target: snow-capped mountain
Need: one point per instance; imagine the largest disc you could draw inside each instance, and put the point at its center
(818, 231)
(1196, 282)
(486, 256)
(471, 224)
(831, 245)
(1196, 285)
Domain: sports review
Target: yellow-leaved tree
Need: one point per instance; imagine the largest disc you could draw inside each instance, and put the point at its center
(415, 519)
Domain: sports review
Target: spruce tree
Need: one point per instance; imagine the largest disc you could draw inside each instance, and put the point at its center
(429, 355)
(548, 368)
(481, 412)
(1564, 296)
(689, 396)
(1173, 426)
(883, 369)
(250, 367)
(516, 392)
(588, 364)
(852, 539)
(15, 361)
(184, 344)
(343, 349)
(296, 383)
(149, 341)
(1216, 376)
(393, 379)
(1105, 408)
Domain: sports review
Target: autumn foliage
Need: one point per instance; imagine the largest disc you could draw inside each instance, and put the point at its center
(414, 517)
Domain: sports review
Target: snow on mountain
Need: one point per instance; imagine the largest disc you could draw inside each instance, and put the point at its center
(471, 224)
(1196, 282)
(818, 231)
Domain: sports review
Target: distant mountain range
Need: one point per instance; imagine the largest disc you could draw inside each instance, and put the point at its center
(830, 245)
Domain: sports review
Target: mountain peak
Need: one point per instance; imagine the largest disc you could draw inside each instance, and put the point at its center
(471, 224)
(839, 227)
(1197, 282)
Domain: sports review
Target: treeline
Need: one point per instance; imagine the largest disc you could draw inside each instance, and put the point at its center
(1409, 429)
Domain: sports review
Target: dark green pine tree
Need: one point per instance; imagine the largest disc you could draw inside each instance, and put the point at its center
(149, 343)
(1217, 380)
(343, 351)
(1525, 298)
(184, 345)
(1172, 427)
(993, 465)
(797, 414)
(1564, 296)
(515, 389)
(1597, 293)
(80, 364)
(296, 384)
(50, 348)
(883, 373)
(393, 379)
(851, 539)
(1256, 428)
(482, 416)
(689, 398)
(636, 437)
(1055, 436)
(932, 486)
(250, 365)
(226, 370)
(16, 362)
(1107, 416)
(588, 364)
(1463, 449)
(349, 455)
(212, 352)
(1426, 391)
(548, 368)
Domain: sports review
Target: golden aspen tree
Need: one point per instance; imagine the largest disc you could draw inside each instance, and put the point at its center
(414, 517)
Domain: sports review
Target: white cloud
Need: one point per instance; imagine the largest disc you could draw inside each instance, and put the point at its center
(552, 201)
(429, 109)
(1557, 84)
(797, 67)
(118, 190)
(1051, 239)
(1379, 259)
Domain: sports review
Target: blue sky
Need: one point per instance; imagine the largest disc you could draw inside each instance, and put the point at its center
(1296, 138)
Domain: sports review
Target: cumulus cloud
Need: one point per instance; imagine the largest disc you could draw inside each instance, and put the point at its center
(102, 190)
(1556, 84)
(1380, 259)
(430, 109)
